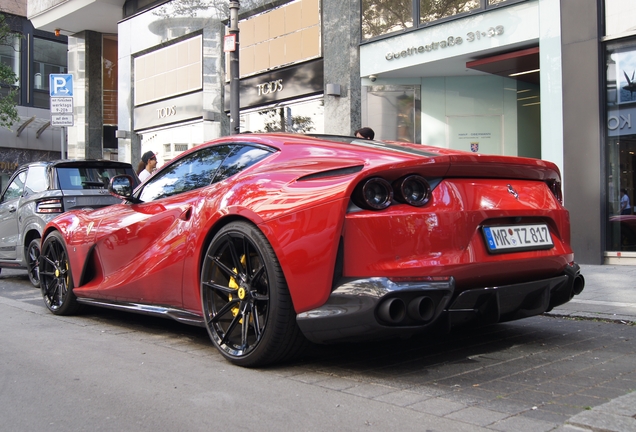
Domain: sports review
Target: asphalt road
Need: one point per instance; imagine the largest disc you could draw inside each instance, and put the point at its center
(106, 370)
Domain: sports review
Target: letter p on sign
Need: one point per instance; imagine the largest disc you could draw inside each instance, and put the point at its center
(61, 85)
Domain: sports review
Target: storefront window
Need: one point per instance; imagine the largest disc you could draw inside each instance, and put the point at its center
(393, 112)
(298, 117)
(49, 57)
(620, 152)
(10, 56)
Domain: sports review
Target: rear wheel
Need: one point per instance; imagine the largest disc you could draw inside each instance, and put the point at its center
(33, 261)
(246, 304)
(56, 281)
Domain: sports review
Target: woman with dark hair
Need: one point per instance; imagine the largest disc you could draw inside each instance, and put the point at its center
(365, 133)
(147, 165)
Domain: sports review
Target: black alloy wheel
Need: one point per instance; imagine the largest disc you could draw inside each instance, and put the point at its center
(247, 308)
(56, 281)
(33, 261)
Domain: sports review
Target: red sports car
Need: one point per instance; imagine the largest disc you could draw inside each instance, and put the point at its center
(272, 240)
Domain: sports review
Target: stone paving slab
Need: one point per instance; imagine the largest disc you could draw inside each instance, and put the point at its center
(609, 294)
(615, 416)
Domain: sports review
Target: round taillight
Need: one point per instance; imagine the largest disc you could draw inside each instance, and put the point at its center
(413, 190)
(375, 194)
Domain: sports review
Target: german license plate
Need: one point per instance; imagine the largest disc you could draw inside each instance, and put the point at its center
(512, 238)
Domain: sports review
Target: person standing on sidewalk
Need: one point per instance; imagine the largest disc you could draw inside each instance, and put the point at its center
(147, 165)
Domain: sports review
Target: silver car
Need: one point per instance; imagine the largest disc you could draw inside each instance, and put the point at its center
(39, 191)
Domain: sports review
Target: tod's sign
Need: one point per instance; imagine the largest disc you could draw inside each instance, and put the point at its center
(166, 112)
(174, 110)
(270, 87)
(282, 84)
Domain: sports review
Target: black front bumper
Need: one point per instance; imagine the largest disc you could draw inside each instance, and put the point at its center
(379, 308)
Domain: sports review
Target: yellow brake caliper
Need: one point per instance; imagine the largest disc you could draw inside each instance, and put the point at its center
(240, 291)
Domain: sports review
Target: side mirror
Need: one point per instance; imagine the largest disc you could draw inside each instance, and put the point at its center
(121, 186)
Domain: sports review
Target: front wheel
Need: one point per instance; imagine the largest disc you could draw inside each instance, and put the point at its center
(247, 308)
(33, 261)
(56, 281)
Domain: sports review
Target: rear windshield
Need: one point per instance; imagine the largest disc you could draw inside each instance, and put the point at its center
(87, 177)
(409, 148)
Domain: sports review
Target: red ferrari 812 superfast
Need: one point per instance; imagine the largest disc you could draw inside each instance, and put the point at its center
(273, 240)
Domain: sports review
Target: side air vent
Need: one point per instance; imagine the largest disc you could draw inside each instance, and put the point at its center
(332, 173)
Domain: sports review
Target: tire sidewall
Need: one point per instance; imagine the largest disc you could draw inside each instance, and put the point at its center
(262, 351)
(35, 243)
(69, 305)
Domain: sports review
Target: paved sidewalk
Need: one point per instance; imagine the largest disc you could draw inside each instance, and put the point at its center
(609, 294)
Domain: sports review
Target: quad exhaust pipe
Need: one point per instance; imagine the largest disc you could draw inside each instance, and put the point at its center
(395, 310)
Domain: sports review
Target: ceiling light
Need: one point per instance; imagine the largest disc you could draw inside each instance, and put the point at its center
(524, 72)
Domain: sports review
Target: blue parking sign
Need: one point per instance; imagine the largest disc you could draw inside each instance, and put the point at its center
(61, 85)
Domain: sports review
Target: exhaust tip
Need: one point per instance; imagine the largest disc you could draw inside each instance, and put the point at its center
(421, 309)
(578, 285)
(392, 310)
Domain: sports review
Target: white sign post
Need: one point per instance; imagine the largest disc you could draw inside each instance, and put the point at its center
(61, 87)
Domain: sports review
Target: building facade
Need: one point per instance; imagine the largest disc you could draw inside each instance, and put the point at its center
(618, 99)
(32, 54)
(550, 79)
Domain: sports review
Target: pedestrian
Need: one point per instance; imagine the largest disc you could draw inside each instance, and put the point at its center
(147, 165)
(365, 133)
(626, 208)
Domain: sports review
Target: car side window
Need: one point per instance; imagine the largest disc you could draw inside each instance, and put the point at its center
(36, 180)
(193, 171)
(15, 188)
(242, 157)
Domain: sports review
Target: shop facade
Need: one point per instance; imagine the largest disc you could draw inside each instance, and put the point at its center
(548, 79)
(619, 150)
(173, 76)
(496, 77)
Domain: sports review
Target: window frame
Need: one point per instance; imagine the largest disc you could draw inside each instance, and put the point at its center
(3, 198)
(233, 148)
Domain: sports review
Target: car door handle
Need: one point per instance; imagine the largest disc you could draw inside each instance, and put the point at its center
(12, 209)
(186, 214)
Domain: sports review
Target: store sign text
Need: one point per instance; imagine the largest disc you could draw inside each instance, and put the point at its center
(9, 166)
(448, 42)
(270, 87)
(166, 112)
(619, 122)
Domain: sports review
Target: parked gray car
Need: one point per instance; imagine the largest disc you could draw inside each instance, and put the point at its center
(39, 191)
